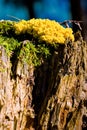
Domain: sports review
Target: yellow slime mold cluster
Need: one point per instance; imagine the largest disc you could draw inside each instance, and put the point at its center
(45, 30)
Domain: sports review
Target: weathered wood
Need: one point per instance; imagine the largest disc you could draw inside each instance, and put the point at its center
(15, 94)
(64, 104)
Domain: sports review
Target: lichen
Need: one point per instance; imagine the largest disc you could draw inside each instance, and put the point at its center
(45, 30)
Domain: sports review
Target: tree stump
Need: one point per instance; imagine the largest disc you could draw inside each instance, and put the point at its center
(49, 93)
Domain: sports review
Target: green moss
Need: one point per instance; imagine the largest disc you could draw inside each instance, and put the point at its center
(33, 54)
(23, 46)
(10, 44)
(6, 27)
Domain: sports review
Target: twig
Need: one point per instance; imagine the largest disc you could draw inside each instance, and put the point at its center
(13, 17)
(67, 22)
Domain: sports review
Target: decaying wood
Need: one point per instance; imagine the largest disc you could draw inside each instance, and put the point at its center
(52, 96)
(64, 104)
(15, 95)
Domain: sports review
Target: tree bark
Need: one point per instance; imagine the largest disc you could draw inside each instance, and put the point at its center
(51, 96)
(15, 94)
(64, 104)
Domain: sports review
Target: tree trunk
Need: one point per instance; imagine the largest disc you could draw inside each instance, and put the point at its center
(64, 104)
(49, 96)
(79, 14)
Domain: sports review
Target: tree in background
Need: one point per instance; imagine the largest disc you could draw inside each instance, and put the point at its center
(27, 3)
(76, 12)
(79, 14)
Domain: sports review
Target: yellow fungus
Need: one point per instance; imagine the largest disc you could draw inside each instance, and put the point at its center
(46, 30)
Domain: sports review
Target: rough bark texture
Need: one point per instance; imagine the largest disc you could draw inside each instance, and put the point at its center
(64, 104)
(15, 94)
(52, 96)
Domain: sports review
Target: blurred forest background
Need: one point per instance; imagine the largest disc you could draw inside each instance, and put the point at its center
(59, 10)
